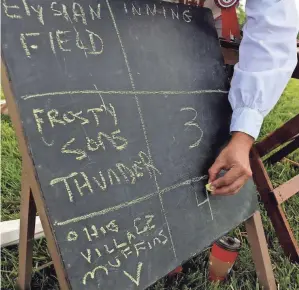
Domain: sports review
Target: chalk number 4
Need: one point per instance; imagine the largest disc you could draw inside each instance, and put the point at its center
(193, 123)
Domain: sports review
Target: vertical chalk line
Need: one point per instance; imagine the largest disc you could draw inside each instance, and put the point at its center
(141, 119)
(207, 194)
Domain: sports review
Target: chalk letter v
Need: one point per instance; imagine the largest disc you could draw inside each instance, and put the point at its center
(137, 280)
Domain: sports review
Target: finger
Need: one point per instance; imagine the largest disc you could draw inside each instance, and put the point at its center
(232, 188)
(215, 169)
(228, 178)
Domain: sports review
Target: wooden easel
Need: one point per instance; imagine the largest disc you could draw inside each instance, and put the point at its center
(32, 202)
(272, 197)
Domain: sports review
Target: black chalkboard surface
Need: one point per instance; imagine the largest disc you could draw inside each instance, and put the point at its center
(124, 108)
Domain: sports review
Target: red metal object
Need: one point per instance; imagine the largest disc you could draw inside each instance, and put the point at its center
(176, 271)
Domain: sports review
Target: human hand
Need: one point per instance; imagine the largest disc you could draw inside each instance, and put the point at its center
(235, 159)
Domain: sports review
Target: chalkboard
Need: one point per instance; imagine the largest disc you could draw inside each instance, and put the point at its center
(124, 107)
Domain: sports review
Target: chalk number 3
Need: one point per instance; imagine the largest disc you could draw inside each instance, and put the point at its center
(193, 123)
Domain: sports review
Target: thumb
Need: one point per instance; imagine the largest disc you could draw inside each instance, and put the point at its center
(215, 169)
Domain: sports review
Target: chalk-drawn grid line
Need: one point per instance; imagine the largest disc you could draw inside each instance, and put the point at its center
(207, 200)
(121, 92)
(142, 122)
(132, 202)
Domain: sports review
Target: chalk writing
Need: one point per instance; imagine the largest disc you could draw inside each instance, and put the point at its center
(151, 10)
(11, 14)
(146, 227)
(113, 254)
(137, 279)
(117, 142)
(76, 12)
(24, 43)
(90, 116)
(72, 236)
(121, 173)
(92, 273)
(130, 203)
(92, 232)
(192, 123)
(62, 40)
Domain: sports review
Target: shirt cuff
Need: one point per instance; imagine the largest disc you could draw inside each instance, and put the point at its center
(246, 120)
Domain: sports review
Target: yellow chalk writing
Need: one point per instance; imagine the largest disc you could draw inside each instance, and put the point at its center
(59, 35)
(52, 116)
(72, 236)
(123, 170)
(112, 173)
(119, 246)
(98, 252)
(6, 7)
(79, 42)
(70, 117)
(131, 202)
(138, 247)
(39, 121)
(107, 249)
(88, 256)
(86, 184)
(103, 230)
(137, 279)
(39, 11)
(147, 227)
(94, 13)
(126, 252)
(92, 273)
(24, 43)
(102, 184)
(65, 149)
(27, 10)
(112, 226)
(130, 236)
(117, 265)
(94, 232)
(52, 42)
(92, 37)
(78, 11)
(64, 180)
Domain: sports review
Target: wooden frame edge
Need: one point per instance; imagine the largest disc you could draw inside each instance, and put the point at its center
(285, 191)
(259, 251)
(32, 182)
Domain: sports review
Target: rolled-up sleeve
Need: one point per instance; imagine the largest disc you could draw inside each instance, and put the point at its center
(268, 56)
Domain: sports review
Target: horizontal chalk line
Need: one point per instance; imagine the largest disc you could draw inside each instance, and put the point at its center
(129, 203)
(61, 93)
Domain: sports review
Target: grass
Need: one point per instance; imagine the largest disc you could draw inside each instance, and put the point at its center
(195, 271)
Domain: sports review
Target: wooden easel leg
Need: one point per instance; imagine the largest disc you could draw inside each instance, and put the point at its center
(27, 227)
(275, 212)
(260, 254)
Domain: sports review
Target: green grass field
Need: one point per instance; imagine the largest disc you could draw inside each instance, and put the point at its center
(195, 271)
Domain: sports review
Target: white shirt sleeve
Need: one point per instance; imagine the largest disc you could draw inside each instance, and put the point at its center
(267, 59)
